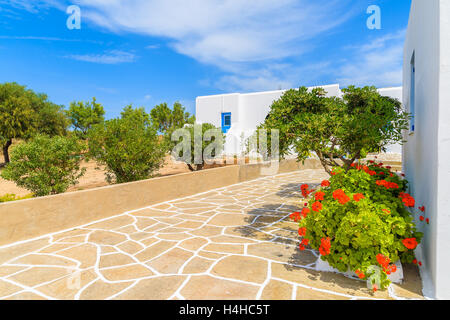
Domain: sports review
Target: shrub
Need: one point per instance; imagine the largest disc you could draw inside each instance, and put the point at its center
(129, 147)
(338, 130)
(12, 197)
(45, 165)
(204, 142)
(359, 221)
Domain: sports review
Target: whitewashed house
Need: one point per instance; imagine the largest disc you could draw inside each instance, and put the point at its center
(239, 114)
(426, 155)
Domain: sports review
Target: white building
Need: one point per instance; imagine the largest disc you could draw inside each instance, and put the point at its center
(239, 114)
(426, 155)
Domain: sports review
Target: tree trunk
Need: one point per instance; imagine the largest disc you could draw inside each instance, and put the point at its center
(5, 151)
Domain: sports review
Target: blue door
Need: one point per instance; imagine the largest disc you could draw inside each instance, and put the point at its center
(226, 121)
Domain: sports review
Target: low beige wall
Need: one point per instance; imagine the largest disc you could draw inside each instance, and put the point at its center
(26, 219)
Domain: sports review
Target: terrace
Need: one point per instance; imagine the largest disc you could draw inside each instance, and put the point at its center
(231, 242)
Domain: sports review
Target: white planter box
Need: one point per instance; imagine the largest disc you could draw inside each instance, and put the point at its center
(396, 277)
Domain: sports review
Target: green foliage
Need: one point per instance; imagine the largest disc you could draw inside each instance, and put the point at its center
(45, 165)
(360, 230)
(24, 113)
(129, 147)
(84, 115)
(205, 142)
(12, 197)
(166, 120)
(338, 130)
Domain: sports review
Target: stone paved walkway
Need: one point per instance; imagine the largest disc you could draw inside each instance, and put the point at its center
(231, 243)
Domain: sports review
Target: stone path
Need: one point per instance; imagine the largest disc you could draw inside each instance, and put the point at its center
(231, 243)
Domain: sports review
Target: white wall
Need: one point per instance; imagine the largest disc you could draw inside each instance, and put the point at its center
(250, 109)
(426, 154)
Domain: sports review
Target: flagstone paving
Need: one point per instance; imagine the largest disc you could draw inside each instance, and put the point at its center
(230, 243)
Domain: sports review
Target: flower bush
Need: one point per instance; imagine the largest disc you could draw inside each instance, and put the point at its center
(359, 221)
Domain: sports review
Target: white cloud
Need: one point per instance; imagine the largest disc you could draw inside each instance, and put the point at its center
(378, 62)
(109, 57)
(239, 37)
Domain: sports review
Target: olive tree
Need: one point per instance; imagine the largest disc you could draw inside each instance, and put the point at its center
(128, 146)
(338, 130)
(197, 144)
(46, 165)
(23, 113)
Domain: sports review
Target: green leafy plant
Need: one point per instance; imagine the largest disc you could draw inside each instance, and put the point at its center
(359, 221)
(338, 130)
(129, 147)
(12, 197)
(45, 165)
(84, 115)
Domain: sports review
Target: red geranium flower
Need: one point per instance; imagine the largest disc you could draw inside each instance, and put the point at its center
(325, 246)
(383, 260)
(428, 221)
(357, 197)
(422, 208)
(305, 212)
(325, 183)
(317, 206)
(319, 195)
(302, 232)
(301, 247)
(295, 216)
(410, 243)
(305, 241)
(387, 211)
(421, 218)
(361, 275)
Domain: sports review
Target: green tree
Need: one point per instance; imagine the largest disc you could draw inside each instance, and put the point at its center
(166, 119)
(198, 144)
(129, 147)
(46, 165)
(23, 113)
(338, 130)
(84, 115)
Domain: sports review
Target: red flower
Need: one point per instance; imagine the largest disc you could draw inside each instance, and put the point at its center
(317, 206)
(341, 196)
(381, 183)
(422, 208)
(305, 241)
(428, 221)
(304, 188)
(381, 173)
(387, 211)
(295, 216)
(319, 195)
(402, 174)
(420, 263)
(302, 232)
(357, 197)
(392, 268)
(422, 218)
(305, 212)
(407, 199)
(374, 288)
(410, 243)
(325, 183)
(361, 275)
(415, 261)
(388, 167)
(325, 246)
(301, 247)
(383, 260)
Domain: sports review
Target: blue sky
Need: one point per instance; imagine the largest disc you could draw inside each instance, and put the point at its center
(146, 52)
